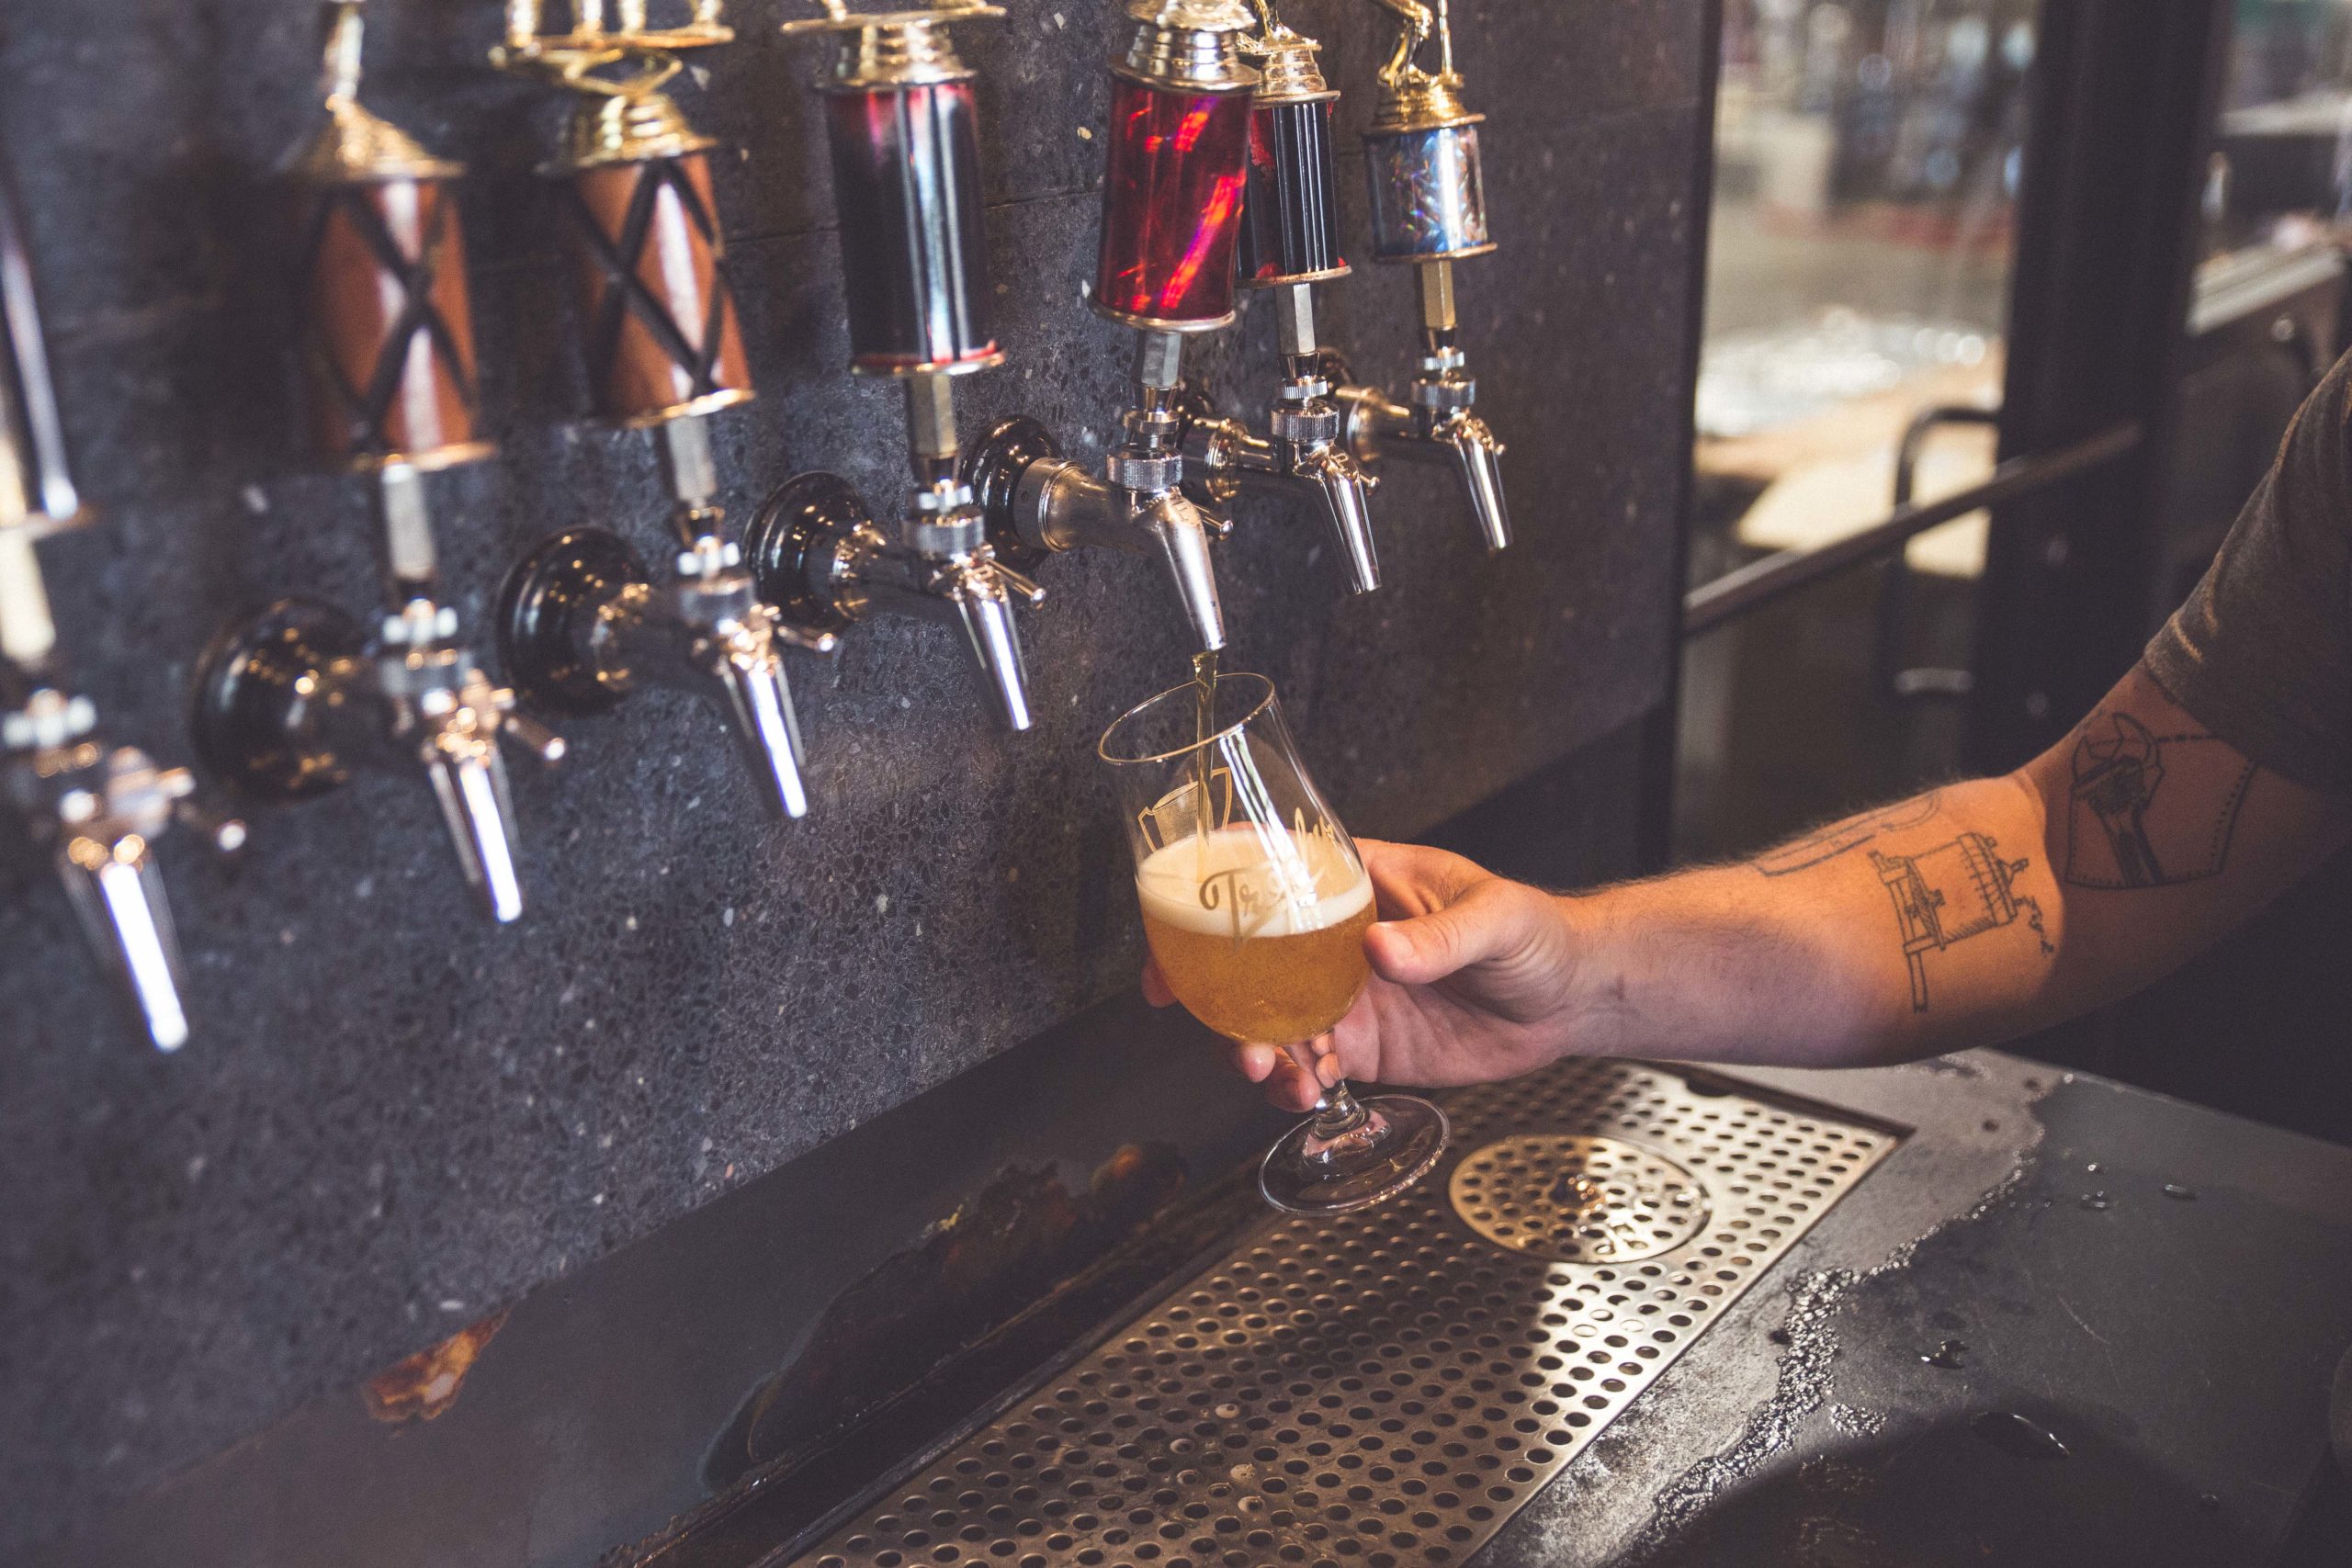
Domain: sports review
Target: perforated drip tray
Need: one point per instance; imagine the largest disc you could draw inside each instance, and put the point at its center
(1387, 1387)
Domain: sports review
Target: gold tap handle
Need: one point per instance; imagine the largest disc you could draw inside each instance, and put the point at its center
(1414, 24)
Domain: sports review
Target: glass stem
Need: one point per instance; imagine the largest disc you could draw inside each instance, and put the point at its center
(1336, 1110)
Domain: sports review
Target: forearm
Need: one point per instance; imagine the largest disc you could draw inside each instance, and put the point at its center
(1913, 929)
(1963, 917)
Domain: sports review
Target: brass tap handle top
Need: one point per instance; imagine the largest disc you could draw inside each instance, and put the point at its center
(593, 37)
(839, 17)
(354, 146)
(1410, 95)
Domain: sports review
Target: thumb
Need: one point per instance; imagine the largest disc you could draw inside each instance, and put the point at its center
(1485, 922)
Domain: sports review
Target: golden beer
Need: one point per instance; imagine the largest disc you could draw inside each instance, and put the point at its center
(1259, 930)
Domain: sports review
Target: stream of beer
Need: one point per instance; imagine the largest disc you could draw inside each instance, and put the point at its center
(1204, 725)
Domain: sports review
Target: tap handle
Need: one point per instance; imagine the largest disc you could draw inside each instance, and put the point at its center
(983, 593)
(806, 641)
(1347, 508)
(760, 701)
(224, 833)
(1019, 586)
(118, 893)
(1477, 459)
(543, 745)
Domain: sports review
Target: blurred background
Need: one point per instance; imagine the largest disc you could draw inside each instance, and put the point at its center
(1868, 160)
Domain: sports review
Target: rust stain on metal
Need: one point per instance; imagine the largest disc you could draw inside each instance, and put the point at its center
(425, 1385)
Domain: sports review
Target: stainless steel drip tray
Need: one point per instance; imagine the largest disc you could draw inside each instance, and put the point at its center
(1388, 1387)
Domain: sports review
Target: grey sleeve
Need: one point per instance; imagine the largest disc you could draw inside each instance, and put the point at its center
(2261, 654)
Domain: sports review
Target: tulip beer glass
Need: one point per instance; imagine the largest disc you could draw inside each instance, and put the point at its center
(1255, 904)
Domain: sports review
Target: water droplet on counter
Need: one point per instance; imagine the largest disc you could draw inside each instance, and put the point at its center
(2096, 1200)
(2014, 1435)
(1947, 1355)
(2208, 1502)
(2092, 1167)
(2175, 1190)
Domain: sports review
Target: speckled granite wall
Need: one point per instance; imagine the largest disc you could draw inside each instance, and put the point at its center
(396, 1116)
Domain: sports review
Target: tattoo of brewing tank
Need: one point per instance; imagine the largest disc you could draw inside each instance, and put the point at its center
(2150, 810)
(1951, 894)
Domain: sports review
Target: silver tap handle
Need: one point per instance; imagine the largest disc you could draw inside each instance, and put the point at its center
(1183, 533)
(1477, 458)
(224, 833)
(118, 892)
(1017, 585)
(545, 746)
(1346, 508)
(807, 641)
(469, 781)
(983, 597)
(761, 705)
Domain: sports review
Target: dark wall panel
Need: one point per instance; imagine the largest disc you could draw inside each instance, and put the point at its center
(394, 1116)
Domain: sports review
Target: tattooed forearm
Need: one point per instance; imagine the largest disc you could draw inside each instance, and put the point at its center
(2148, 809)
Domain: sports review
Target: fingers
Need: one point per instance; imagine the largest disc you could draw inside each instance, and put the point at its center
(1292, 1087)
(1413, 879)
(1486, 922)
(1155, 987)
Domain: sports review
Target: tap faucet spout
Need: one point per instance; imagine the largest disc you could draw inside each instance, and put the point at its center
(1477, 458)
(1345, 490)
(1183, 530)
(469, 779)
(100, 811)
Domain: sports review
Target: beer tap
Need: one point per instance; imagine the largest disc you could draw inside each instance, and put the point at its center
(1428, 209)
(290, 700)
(1181, 98)
(1289, 242)
(902, 124)
(582, 622)
(96, 809)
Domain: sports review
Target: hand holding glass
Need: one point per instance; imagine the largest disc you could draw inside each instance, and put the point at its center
(1255, 904)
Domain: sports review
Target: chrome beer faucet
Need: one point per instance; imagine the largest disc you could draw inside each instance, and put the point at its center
(825, 563)
(1038, 501)
(903, 123)
(1428, 209)
(96, 810)
(1289, 242)
(582, 622)
(290, 700)
(1305, 455)
(1438, 423)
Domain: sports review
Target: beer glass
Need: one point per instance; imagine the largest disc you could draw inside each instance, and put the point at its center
(1255, 904)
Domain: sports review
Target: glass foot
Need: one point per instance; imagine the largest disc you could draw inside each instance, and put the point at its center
(1312, 1172)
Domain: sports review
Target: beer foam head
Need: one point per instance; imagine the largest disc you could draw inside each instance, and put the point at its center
(1266, 880)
